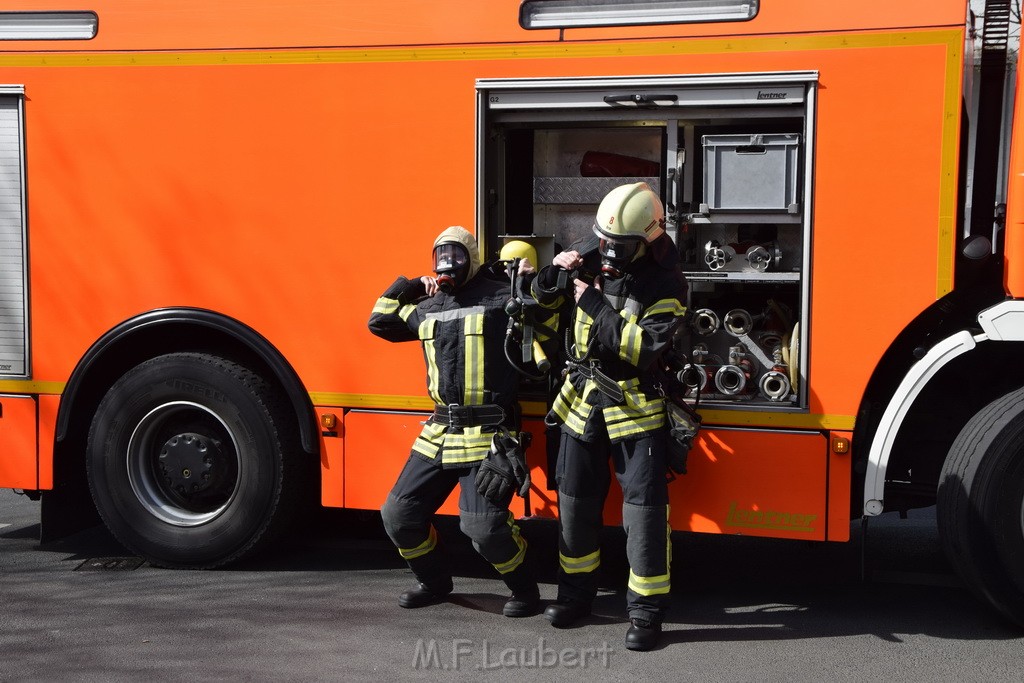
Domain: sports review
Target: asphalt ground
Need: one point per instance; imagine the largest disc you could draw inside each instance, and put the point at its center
(322, 607)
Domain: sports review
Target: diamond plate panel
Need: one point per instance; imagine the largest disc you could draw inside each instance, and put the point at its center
(559, 190)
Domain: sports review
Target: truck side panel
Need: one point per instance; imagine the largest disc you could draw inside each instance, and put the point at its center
(18, 467)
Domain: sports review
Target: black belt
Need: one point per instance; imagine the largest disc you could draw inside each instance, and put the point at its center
(487, 415)
(591, 369)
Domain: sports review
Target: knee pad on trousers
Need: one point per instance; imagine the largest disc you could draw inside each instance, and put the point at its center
(648, 544)
(580, 522)
(494, 535)
(406, 521)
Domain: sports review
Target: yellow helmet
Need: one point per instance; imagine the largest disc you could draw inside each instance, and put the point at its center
(519, 249)
(630, 212)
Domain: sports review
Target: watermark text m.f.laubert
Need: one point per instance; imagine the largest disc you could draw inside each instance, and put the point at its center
(482, 655)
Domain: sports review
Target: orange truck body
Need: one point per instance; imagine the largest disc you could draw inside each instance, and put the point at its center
(279, 163)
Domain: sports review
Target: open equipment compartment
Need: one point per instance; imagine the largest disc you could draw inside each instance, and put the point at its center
(728, 154)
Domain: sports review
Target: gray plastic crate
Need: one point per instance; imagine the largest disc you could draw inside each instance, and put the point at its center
(750, 172)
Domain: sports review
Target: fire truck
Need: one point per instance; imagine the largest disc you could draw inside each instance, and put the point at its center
(200, 203)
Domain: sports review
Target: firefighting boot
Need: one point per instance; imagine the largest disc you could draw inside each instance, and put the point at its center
(424, 594)
(525, 599)
(642, 635)
(565, 613)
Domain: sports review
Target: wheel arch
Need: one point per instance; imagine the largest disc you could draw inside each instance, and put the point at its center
(912, 414)
(165, 330)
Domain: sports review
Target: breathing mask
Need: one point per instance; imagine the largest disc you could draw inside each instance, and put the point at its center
(451, 264)
(617, 254)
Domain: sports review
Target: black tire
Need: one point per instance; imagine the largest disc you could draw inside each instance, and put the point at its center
(192, 461)
(980, 507)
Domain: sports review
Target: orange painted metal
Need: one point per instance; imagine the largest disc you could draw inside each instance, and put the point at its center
(840, 475)
(383, 442)
(196, 24)
(18, 434)
(754, 483)
(332, 464)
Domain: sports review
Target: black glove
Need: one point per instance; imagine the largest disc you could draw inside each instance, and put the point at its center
(503, 470)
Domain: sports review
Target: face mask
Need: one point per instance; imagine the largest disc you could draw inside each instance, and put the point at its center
(616, 255)
(451, 264)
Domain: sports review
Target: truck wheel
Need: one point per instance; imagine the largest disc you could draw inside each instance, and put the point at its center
(980, 508)
(191, 461)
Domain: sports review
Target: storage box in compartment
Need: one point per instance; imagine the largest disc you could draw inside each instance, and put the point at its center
(750, 172)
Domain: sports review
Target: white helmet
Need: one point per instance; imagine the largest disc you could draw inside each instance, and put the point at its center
(630, 217)
(631, 211)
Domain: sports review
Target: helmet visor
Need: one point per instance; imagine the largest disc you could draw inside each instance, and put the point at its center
(450, 257)
(618, 251)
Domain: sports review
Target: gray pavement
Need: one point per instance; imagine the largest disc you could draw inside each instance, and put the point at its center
(322, 608)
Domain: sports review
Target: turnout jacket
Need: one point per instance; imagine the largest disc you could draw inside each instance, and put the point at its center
(620, 330)
(462, 335)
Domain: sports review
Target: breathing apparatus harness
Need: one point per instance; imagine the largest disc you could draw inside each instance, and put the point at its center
(522, 325)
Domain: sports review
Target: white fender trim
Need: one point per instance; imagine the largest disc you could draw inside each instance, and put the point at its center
(915, 380)
(1002, 322)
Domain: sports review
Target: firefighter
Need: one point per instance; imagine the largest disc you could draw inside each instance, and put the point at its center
(609, 405)
(471, 439)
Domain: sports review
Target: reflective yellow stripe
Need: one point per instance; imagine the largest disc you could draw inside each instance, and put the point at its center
(640, 426)
(640, 409)
(575, 422)
(471, 437)
(474, 359)
(470, 446)
(649, 585)
(581, 331)
(517, 559)
(551, 323)
(580, 565)
(572, 408)
(631, 339)
(406, 311)
(671, 306)
(639, 415)
(385, 305)
(429, 441)
(426, 334)
(426, 448)
(422, 549)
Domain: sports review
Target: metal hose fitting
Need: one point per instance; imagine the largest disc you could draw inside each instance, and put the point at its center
(706, 322)
(694, 376)
(774, 385)
(731, 379)
(738, 322)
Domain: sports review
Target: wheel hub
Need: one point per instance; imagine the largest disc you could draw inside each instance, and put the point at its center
(190, 463)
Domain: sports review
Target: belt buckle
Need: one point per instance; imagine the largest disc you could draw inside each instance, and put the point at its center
(583, 368)
(454, 422)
